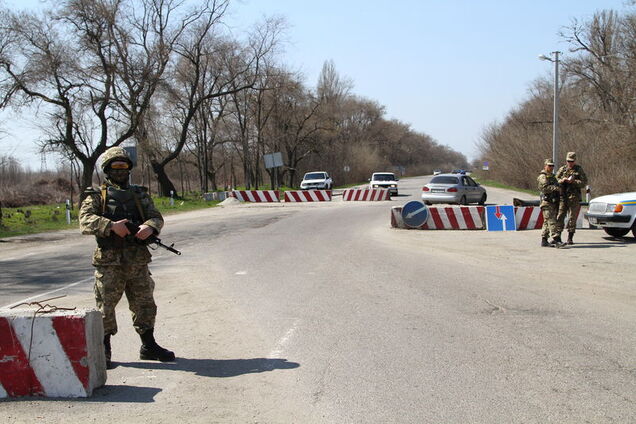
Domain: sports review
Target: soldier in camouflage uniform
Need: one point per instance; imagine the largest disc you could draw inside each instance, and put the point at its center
(572, 179)
(550, 195)
(121, 259)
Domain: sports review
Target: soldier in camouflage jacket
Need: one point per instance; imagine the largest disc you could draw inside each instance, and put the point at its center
(572, 179)
(121, 258)
(550, 197)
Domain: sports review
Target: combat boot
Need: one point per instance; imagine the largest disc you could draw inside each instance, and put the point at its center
(570, 238)
(544, 242)
(107, 351)
(556, 242)
(150, 350)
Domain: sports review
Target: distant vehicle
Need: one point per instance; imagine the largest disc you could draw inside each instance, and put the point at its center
(453, 188)
(384, 180)
(458, 171)
(316, 180)
(615, 213)
(437, 172)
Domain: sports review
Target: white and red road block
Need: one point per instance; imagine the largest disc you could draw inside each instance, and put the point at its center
(257, 196)
(366, 194)
(531, 218)
(308, 196)
(446, 218)
(58, 354)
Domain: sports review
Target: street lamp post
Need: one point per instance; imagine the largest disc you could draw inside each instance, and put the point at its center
(555, 112)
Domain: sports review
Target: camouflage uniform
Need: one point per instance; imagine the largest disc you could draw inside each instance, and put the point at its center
(571, 195)
(549, 189)
(121, 265)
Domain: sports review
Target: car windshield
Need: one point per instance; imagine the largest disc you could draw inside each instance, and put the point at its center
(383, 177)
(315, 176)
(445, 180)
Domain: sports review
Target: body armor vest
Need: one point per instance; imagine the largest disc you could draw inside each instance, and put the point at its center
(120, 204)
(554, 196)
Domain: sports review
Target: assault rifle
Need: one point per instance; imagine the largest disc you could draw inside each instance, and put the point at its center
(152, 239)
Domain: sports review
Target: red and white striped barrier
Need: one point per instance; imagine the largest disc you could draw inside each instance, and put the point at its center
(528, 218)
(446, 218)
(308, 196)
(257, 196)
(531, 218)
(60, 354)
(366, 194)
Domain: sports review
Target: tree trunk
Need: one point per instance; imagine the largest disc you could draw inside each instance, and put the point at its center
(165, 185)
(88, 168)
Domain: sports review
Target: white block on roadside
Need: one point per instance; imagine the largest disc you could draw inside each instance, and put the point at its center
(58, 354)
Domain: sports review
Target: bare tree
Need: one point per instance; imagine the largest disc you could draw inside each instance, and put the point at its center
(210, 66)
(94, 65)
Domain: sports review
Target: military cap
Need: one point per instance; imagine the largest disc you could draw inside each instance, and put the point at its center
(115, 153)
(548, 162)
(571, 156)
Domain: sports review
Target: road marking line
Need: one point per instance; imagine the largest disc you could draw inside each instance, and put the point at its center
(240, 273)
(47, 293)
(277, 352)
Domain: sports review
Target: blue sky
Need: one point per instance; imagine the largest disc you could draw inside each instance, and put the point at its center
(447, 68)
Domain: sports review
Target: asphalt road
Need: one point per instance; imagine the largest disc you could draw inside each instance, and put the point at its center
(323, 313)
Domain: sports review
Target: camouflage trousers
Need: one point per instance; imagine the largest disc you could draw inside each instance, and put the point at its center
(550, 227)
(571, 207)
(111, 282)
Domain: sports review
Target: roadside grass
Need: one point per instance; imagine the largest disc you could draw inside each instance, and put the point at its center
(497, 184)
(35, 219)
(43, 218)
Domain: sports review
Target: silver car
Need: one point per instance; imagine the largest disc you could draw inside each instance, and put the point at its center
(453, 188)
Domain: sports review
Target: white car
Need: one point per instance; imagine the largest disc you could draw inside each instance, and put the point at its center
(384, 180)
(316, 180)
(615, 213)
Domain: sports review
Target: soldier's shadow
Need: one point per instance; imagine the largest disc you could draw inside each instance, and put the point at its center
(611, 242)
(217, 367)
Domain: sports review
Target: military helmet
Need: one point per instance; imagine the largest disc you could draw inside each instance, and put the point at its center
(115, 153)
(549, 162)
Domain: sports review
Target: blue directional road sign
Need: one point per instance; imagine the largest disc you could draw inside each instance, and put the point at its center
(500, 218)
(414, 214)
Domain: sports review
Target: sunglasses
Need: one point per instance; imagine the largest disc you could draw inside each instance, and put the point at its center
(119, 165)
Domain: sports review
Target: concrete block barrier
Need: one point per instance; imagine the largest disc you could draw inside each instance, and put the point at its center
(215, 195)
(308, 196)
(366, 194)
(446, 218)
(531, 218)
(58, 354)
(257, 196)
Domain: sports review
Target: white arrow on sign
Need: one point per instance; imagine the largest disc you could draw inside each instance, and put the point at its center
(504, 219)
(415, 212)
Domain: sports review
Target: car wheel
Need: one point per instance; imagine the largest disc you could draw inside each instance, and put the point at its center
(482, 201)
(616, 232)
(462, 201)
